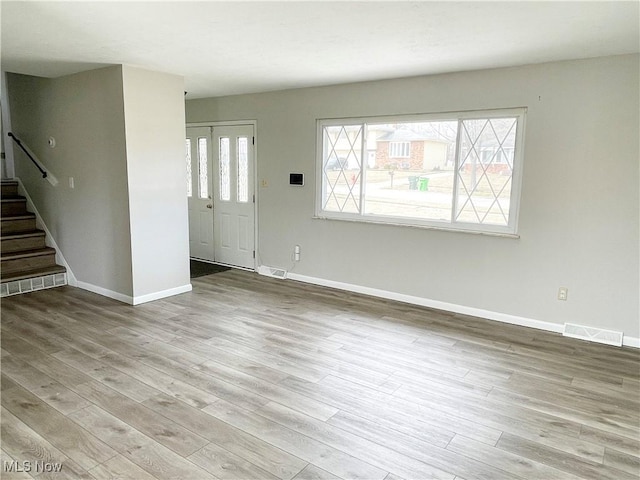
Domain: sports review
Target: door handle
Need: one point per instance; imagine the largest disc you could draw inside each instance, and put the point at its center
(209, 205)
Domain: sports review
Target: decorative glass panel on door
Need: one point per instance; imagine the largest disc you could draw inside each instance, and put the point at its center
(189, 173)
(203, 175)
(243, 170)
(225, 180)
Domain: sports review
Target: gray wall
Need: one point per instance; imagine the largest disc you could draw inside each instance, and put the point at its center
(84, 113)
(119, 133)
(579, 215)
(155, 126)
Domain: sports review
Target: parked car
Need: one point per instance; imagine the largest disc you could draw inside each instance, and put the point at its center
(336, 163)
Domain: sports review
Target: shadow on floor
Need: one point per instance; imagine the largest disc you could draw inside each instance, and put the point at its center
(200, 269)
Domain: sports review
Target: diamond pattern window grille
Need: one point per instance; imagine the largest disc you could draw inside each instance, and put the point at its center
(342, 168)
(485, 170)
(464, 174)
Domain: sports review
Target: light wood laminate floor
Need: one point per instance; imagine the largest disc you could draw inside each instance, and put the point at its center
(249, 377)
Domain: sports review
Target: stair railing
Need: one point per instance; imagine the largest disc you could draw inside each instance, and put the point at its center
(35, 162)
(45, 174)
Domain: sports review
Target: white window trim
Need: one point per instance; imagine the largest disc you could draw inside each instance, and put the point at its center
(509, 230)
(403, 143)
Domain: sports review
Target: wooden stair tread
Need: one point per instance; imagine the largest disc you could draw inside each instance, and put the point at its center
(22, 216)
(24, 256)
(25, 234)
(36, 252)
(33, 273)
(14, 224)
(12, 198)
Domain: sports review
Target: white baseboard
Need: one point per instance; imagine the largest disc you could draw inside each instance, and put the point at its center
(630, 341)
(71, 278)
(134, 300)
(105, 292)
(49, 240)
(162, 294)
(449, 307)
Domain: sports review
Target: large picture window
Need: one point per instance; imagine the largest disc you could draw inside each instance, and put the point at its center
(457, 171)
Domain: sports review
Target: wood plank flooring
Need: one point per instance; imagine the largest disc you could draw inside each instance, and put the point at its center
(248, 377)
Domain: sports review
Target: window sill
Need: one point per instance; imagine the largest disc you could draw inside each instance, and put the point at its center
(443, 228)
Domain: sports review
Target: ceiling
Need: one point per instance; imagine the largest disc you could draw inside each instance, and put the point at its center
(225, 48)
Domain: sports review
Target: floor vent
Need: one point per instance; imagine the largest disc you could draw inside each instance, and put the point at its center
(608, 337)
(32, 284)
(272, 272)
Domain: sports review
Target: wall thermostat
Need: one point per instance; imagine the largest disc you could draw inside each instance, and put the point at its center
(296, 179)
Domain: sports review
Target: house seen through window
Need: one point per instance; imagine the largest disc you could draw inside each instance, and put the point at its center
(457, 171)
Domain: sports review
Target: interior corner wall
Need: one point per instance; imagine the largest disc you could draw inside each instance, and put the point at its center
(90, 222)
(8, 170)
(159, 223)
(579, 214)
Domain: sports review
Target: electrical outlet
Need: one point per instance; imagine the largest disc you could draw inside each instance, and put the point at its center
(264, 183)
(562, 293)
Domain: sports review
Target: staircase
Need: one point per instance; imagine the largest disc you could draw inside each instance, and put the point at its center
(27, 263)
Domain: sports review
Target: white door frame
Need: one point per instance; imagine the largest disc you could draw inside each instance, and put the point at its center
(254, 124)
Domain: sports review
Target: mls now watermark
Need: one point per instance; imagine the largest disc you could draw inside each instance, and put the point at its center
(31, 467)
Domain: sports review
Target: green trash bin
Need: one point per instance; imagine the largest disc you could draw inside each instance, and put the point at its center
(424, 184)
(413, 183)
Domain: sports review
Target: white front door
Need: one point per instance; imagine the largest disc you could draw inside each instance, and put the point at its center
(220, 183)
(234, 209)
(199, 168)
